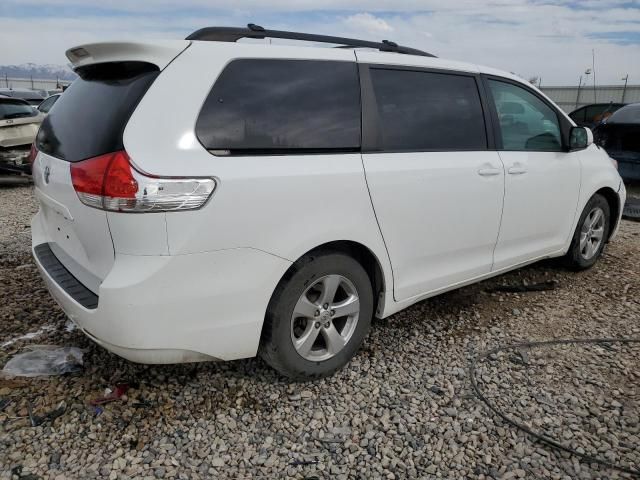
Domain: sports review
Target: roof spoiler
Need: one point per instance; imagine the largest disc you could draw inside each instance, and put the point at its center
(160, 53)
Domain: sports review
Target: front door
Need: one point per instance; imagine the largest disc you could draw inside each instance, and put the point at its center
(542, 181)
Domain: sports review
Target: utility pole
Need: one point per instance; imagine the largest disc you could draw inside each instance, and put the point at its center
(578, 95)
(624, 90)
(587, 72)
(593, 65)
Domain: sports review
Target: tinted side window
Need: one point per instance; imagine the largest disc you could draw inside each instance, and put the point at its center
(595, 114)
(428, 111)
(45, 106)
(526, 122)
(278, 106)
(578, 115)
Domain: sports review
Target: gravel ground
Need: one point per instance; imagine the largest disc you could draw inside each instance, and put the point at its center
(403, 408)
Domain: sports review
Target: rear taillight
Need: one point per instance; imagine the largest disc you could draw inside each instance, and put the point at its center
(33, 153)
(614, 162)
(110, 182)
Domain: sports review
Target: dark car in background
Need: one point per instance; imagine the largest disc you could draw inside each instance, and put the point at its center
(592, 115)
(619, 135)
(31, 96)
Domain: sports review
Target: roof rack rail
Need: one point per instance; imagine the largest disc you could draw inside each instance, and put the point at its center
(233, 34)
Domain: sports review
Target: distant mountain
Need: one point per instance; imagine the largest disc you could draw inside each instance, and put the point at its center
(41, 72)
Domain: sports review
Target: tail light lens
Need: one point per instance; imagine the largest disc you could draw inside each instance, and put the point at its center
(33, 153)
(110, 182)
(614, 162)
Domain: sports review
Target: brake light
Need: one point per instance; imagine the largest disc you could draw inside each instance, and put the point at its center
(33, 153)
(614, 162)
(110, 182)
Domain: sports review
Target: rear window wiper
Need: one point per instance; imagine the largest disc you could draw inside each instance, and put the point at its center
(18, 115)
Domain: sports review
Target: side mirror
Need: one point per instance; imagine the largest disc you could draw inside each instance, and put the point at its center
(580, 138)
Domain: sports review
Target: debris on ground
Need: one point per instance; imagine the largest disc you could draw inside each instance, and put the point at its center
(118, 393)
(36, 420)
(296, 463)
(28, 336)
(141, 403)
(45, 360)
(531, 287)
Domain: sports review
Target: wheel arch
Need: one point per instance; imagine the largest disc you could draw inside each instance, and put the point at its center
(358, 251)
(613, 200)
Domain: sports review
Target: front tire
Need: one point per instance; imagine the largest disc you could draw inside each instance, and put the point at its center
(317, 317)
(591, 234)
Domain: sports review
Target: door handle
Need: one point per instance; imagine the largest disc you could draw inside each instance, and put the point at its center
(517, 169)
(488, 171)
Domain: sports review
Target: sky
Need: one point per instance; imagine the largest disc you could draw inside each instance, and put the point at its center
(549, 39)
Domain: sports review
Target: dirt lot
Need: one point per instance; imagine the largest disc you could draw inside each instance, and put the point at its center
(403, 408)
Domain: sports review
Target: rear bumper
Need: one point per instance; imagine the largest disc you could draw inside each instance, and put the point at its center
(629, 170)
(173, 309)
(14, 163)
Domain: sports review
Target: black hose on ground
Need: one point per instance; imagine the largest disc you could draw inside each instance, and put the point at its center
(538, 436)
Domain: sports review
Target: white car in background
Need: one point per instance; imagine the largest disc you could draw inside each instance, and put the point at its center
(291, 193)
(19, 123)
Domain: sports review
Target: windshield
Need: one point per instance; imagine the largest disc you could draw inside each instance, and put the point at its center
(15, 109)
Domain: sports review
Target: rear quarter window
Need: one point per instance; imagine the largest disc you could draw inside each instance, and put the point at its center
(90, 117)
(267, 106)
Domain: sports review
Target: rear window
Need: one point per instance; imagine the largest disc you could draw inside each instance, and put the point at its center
(628, 114)
(428, 111)
(266, 106)
(32, 98)
(90, 117)
(10, 109)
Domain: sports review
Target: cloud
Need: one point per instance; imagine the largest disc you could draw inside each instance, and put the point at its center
(368, 22)
(551, 39)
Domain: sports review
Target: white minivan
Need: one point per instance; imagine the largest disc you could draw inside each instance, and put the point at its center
(212, 200)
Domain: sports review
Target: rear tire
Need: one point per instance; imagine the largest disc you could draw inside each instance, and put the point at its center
(318, 316)
(590, 235)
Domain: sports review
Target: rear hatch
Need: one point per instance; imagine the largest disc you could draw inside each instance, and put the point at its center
(88, 121)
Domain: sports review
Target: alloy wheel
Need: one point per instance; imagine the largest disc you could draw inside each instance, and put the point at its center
(592, 233)
(325, 318)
